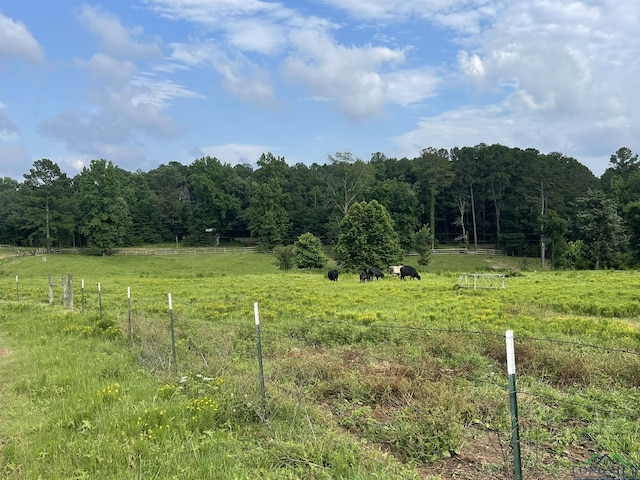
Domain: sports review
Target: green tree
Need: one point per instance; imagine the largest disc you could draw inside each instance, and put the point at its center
(367, 237)
(48, 214)
(215, 207)
(401, 201)
(624, 162)
(307, 204)
(285, 258)
(269, 220)
(434, 172)
(307, 251)
(632, 220)
(169, 184)
(422, 245)
(347, 180)
(144, 209)
(601, 229)
(466, 179)
(553, 228)
(499, 163)
(9, 211)
(104, 217)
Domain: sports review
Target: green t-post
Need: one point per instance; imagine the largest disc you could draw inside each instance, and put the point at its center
(515, 431)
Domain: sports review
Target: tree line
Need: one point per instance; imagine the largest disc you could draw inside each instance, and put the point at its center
(520, 200)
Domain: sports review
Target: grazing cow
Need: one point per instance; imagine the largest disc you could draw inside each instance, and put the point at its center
(365, 277)
(410, 272)
(394, 269)
(333, 275)
(375, 272)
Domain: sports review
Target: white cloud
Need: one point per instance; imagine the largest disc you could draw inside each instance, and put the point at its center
(470, 65)
(234, 153)
(125, 104)
(108, 69)
(350, 76)
(459, 128)
(117, 40)
(216, 12)
(245, 80)
(256, 35)
(405, 87)
(463, 16)
(359, 79)
(590, 143)
(195, 54)
(240, 76)
(17, 41)
(158, 93)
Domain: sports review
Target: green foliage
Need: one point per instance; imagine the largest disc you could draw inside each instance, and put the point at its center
(285, 257)
(367, 237)
(307, 252)
(422, 245)
(632, 216)
(46, 195)
(488, 194)
(601, 229)
(268, 219)
(216, 206)
(575, 256)
(104, 214)
(401, 201)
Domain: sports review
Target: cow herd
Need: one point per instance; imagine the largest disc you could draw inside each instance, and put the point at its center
(368, 274)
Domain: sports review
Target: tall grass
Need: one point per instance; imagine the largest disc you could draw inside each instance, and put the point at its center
(373, 380)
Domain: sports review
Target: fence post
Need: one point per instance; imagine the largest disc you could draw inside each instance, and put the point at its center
(259, 342)
(173, 337)
(129, 310)
(515, 431)
(100, 300)
(50, 289)
(70, 280)
(82, 294)
(17, 290)
(63, 283)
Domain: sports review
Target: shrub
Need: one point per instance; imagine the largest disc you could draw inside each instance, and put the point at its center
(307, 252)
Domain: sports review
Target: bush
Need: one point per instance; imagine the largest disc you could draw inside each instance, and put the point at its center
(307, 252)
(285, 259)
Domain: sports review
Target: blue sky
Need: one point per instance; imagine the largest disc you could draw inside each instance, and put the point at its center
(146, 82)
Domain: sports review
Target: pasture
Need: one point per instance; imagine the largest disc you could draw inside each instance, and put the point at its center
(384, 379)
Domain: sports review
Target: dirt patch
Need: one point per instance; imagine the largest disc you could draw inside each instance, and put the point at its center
(488, 457)
(482, 457)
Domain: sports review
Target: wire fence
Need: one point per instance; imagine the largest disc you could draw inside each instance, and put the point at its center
(435, 396)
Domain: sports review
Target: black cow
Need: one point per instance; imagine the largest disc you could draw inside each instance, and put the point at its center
(410, 272)
(375, 272)
(333, 275)
(365, 277)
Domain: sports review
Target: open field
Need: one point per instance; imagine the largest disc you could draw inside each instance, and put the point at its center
(386, 379)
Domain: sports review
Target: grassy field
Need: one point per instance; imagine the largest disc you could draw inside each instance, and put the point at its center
(386, 379)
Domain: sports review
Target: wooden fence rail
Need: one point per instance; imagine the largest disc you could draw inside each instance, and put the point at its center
(253, 249)
(467, 251)
(184, 251)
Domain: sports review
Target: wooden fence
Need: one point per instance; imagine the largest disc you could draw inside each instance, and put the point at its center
(254, 249)
(466, 251)
(183, 251)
